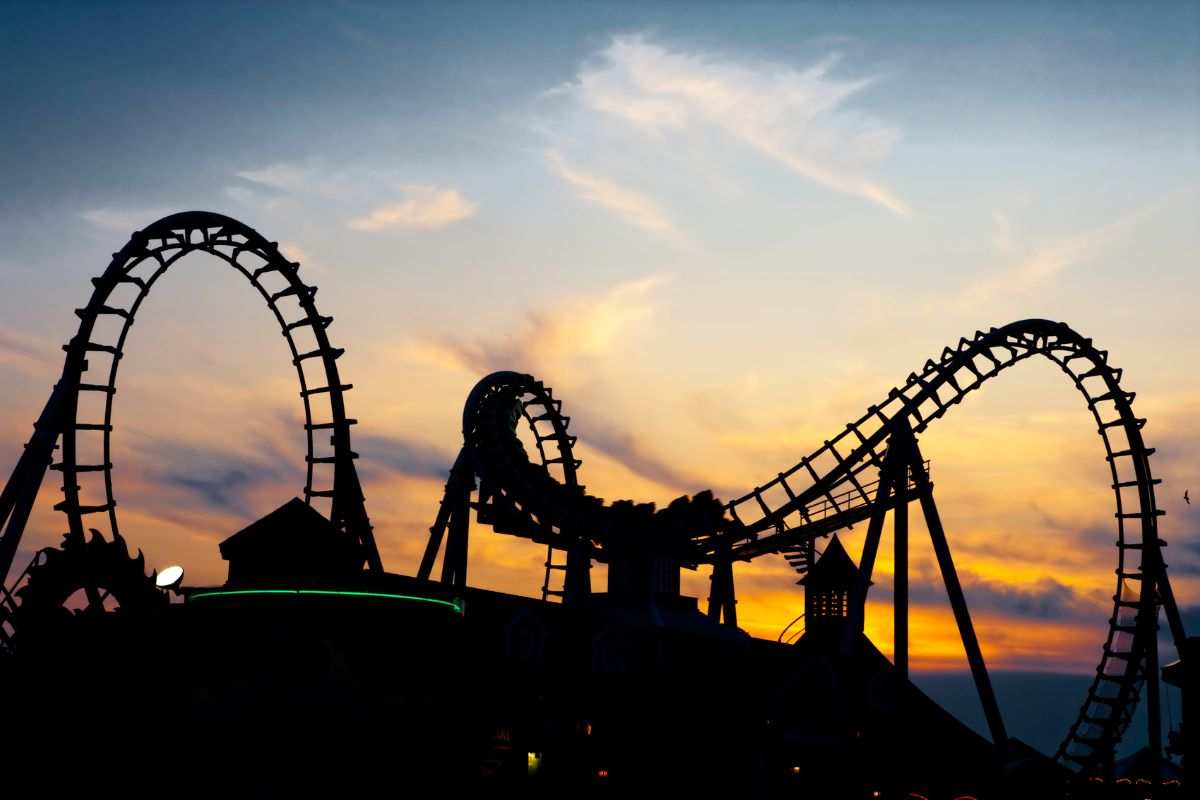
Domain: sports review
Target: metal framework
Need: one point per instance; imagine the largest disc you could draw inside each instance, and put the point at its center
(96, 350)
(1129, 654)
(502, 503)
(831, 489)
(825, 491)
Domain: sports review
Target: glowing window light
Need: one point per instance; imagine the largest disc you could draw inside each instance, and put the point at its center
(535, 762)
(455, 604)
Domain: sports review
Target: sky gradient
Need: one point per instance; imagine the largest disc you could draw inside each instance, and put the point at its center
(718, 235)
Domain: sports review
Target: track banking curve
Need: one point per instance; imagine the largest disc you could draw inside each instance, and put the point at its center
(829, 473)
(780, 513)
(519, 496)
(557, 513)
(824, 491)
(543, 416)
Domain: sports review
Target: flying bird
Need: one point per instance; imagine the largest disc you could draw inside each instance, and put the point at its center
(1186, 499)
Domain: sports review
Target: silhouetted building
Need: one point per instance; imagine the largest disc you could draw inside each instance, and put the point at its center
(829, 589)
(644, 563)
(294, 543)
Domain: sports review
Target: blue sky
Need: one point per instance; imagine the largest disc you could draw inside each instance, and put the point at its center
(719, 230)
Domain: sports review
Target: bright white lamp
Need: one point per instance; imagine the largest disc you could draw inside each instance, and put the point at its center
(169, 578)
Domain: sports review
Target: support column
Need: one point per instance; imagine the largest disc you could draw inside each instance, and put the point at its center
(958, 602)
(866, 565)
(722, 604)
(454, 563)
(438, 529)
(577, 583)
(1148, 625)
(900, 447)
(21, 490)
(902, 439)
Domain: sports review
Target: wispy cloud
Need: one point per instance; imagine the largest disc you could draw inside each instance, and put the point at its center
(636, 455)
(288, 177)
(222, 491)
(798, 118)
(179, 477)
(574, 329)
(271, 187)
(1045, 598)
(1002, 231)
(21, 351)
(245, 196)
(634, 207)
(576, 335)
(401, 454)
(123, 220)
(423, 208)
(312, 265)
(394, 204)
(1042, 263)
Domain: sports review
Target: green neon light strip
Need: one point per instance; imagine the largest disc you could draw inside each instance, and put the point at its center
(454, 604)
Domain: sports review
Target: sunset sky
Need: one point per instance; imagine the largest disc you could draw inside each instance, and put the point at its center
(718, 233)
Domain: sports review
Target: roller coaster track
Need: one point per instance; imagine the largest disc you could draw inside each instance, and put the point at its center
(498, 504)
(97, 348)
(831, 489)
(520, 497)
(827, 490)
(833, 474)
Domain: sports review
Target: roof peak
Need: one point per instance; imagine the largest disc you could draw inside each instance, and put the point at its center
(834, 566)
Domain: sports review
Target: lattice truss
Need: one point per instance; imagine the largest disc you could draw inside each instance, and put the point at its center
(77, 421)
(835, 486)
(831, 488)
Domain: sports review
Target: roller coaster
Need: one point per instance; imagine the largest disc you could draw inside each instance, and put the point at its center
(871, 468)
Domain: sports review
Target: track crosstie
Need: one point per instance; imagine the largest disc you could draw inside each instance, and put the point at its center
(832, 488)
(97, 347)
(828, 489)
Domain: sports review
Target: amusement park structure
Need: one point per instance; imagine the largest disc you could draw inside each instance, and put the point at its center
(872, 468)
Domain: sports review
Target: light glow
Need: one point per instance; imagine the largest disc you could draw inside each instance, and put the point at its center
(170, 577)
(454, 604)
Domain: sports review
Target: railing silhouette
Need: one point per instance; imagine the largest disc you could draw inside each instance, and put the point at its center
(833, 487)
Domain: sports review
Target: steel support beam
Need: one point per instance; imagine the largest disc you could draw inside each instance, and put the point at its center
(449, 504)
(722, 603)
(454, 563)
(577, 583)
(1147, 623)
(866, 565)
(902, 438)
(21, 490)
(958, 602)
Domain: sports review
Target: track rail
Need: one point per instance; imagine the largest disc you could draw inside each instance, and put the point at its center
(833, 474)
(548, 426)
(516, 496)
(831, 488)
(97, 347)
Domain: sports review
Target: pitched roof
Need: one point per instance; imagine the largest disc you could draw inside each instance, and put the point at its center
(292, 522)
(833, 568)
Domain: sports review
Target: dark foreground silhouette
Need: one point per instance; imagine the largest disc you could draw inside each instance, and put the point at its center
(313, 671)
